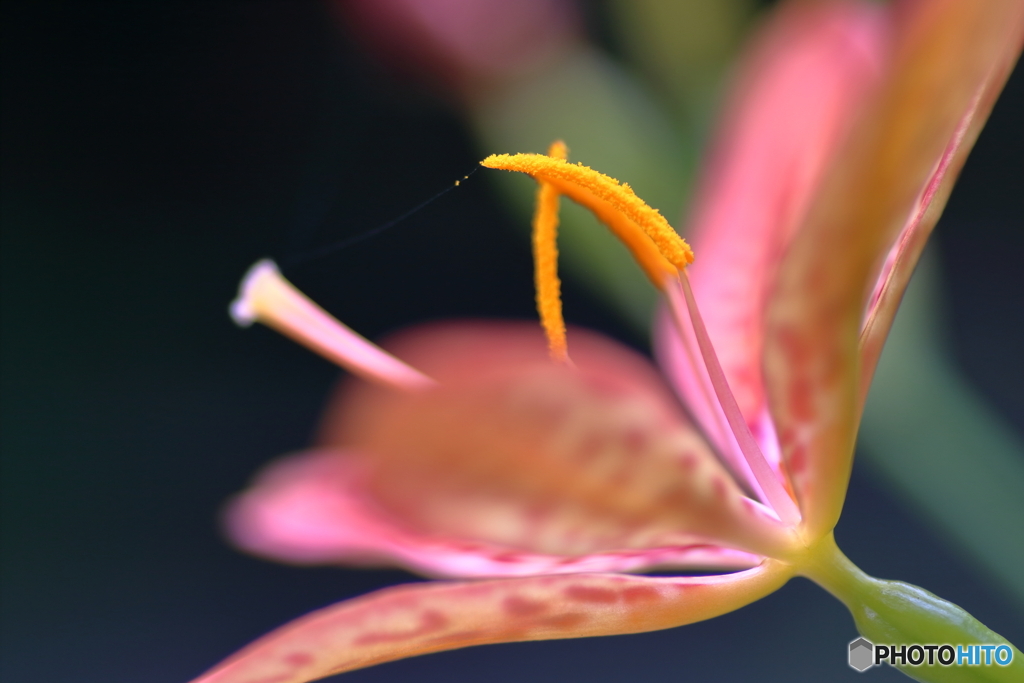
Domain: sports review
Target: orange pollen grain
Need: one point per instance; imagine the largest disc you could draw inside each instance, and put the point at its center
(659, 250)
(545, 260)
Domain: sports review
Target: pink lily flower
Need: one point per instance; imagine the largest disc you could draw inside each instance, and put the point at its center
(537, 483)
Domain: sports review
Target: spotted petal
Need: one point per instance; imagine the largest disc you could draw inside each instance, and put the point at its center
(418, 619)
(903, 255)
(312, 508)
(798, 92)
(945, 51)
(513, 450)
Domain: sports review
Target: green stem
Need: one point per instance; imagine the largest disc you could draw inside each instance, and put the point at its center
(895, 613)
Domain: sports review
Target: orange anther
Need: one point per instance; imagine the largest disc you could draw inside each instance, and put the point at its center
(545, 262)
(656, 246)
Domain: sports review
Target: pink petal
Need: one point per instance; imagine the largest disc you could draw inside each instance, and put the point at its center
(462, 42)
(309, 509)
(798, 91)
(511, 449)
(903, 255)
(418, 619)
(946, 50)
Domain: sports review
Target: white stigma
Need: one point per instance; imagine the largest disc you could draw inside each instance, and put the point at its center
(265, 296)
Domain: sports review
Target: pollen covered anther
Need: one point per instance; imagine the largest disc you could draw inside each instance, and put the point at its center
(659, 250)
(545, 262)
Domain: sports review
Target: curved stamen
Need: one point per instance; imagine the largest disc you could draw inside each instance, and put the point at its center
(664, 255)
(680, 297)
(265, 296)
(545, 262)
(655, 245)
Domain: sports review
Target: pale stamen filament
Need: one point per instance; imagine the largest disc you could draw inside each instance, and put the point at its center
(722, 431)
(265, 296)
(680, 297)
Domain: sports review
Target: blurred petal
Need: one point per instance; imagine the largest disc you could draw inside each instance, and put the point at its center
(904, 254)
(514, 450)
(311, 508)
(461, 42)
(798, 92)
(946, 50)
(411, 620)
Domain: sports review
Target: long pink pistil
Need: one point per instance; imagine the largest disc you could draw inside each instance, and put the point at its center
(680, 298)
(265, 296)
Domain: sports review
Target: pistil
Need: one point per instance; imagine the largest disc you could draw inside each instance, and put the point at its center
(265, 296)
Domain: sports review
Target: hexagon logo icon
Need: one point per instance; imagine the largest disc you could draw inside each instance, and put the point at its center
(862, 654)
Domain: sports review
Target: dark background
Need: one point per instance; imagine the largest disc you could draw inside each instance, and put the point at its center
(150, 153)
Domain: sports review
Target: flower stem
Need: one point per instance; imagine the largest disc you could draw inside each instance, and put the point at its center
(894, 613)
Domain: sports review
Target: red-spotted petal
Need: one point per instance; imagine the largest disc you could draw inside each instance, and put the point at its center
(946, 51)
(511, 449)
(418, 619)
(312, 508)
(903, 255)
(799, 90)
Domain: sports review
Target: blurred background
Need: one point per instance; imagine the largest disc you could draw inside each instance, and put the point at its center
(152, 151)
